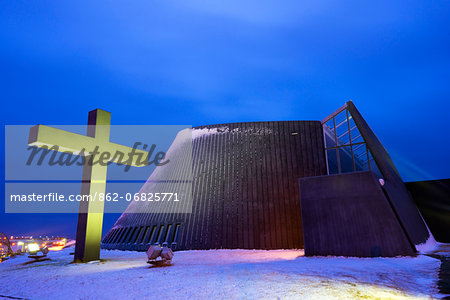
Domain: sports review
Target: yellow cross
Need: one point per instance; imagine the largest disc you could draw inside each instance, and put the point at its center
(90, 216)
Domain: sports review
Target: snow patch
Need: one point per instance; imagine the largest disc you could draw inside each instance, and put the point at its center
(200, 132)
(430, 245)
(221, 274)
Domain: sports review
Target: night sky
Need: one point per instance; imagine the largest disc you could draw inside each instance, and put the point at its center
(206, 62)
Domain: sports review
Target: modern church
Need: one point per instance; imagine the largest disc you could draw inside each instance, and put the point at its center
(328, 187)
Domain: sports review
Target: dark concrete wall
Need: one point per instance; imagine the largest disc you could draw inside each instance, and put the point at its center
(349, 215)
(432, 197)
(245, 190)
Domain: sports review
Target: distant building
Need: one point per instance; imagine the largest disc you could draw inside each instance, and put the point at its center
(20, 244)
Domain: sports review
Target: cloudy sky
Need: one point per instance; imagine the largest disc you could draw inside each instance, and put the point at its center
(203, 62)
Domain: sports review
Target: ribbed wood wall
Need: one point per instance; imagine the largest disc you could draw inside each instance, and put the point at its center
(352, 216)
(245, 190)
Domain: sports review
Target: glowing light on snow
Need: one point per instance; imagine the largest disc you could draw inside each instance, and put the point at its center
(33, 247)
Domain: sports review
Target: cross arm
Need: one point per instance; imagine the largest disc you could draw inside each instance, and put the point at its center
(46, 137)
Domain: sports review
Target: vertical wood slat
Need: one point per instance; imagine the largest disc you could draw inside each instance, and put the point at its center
(293, 187)
(245, 197)
(240, 212)
(268, 219)
(207, 191)
(199, 194)
(289, 195)
(285, 186)
(271, 194)
(258, 200)
(227, 191)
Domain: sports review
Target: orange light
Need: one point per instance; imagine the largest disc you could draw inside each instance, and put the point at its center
(56, 248)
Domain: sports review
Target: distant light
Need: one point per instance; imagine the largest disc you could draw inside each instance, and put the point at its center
(294, 133)
(56, 248)
(33, 247)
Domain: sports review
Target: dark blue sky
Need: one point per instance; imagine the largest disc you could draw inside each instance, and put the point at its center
(201, 62)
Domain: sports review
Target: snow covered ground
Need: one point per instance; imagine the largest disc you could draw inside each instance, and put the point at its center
(229, 274)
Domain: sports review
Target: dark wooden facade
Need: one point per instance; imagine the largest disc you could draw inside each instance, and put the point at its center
(245, 191)
(350, 215)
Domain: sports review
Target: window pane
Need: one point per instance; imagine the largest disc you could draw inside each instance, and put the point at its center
(345, 156)
(344, 139)
(330, 124)
(351, 122)
(332, 161)
(360, 155)
(341, 117)
(329, 137)
(373, 166)
(341, 128)
(356, 136)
